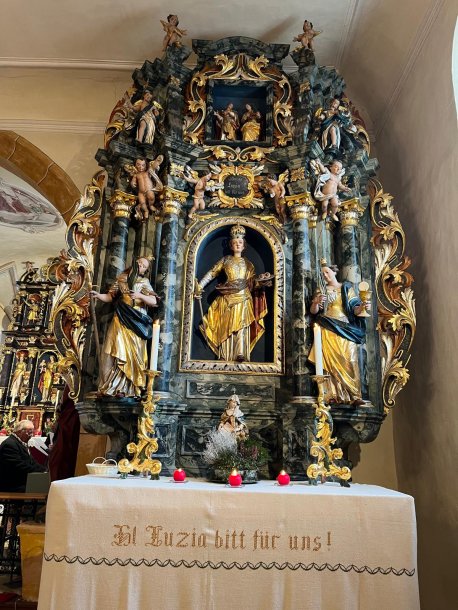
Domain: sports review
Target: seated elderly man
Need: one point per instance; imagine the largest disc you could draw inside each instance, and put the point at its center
(15, 459)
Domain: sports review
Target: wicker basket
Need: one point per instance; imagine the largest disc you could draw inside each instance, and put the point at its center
(108, 468)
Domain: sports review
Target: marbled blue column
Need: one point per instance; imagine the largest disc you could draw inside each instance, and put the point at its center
(121, 207)
(301, 211)
(348, 243)
(166, 281)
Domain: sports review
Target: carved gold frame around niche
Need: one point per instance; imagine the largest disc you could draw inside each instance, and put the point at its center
(244, 68)
(221, 366)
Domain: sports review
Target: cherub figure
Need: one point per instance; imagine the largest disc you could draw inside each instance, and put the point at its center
(173, 33)
(306, 37)
(328, 184)
(276, 189)
(146, 182)
(201, 184)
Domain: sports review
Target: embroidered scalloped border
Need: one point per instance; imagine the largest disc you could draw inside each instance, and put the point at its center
(182, 563)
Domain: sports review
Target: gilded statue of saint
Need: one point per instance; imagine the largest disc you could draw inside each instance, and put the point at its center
(251, 124)
(124, 356)
(337, 307)
(227, 121)
(18, 377)
(234, 322)
(46, 378)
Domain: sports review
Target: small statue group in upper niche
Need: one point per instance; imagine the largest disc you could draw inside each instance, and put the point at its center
(173, 34)
(146, 182)
(306, 36)
(230, 127)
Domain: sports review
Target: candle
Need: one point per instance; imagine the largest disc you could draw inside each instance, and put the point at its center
(283, 478)
(179, 476)
(155, 346)
(235, 479)
(317, 349)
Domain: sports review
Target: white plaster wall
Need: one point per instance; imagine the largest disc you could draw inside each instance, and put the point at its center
(418, 154)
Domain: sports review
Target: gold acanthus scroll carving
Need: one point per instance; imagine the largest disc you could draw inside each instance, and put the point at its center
(396, 303)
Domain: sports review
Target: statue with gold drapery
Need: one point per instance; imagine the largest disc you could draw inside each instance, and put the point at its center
(124, 356)
(251, 124)
(234, 322)
(337, 307)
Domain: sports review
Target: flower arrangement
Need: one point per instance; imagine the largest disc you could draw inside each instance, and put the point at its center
(223, 453)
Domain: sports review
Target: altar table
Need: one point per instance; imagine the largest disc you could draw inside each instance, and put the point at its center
(140, 544)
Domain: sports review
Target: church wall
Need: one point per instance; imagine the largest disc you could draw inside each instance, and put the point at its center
(418, 156)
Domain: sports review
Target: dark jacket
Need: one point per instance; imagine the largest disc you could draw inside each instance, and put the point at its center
(15, 465)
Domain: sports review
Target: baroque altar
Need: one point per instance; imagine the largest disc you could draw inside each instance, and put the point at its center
(250, 195)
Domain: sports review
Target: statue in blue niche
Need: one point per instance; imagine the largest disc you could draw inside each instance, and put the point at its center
(340, 314)
(234, 322)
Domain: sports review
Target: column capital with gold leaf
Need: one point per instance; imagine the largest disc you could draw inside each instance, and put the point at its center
(302, 207)
(350, 212)
(121, 204)
(173, 200)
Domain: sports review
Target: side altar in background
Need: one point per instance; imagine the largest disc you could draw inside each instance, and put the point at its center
(238, 207)
(31, 386)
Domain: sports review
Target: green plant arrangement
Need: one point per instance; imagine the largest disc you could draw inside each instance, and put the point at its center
(223, 453)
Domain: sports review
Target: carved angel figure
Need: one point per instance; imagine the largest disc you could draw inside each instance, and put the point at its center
(328, 184)
(306, 36)
(173, 34)
(201, 184)
(146, 182)
(276, 189)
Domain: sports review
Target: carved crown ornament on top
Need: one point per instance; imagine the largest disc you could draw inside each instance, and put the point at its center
(239, 67)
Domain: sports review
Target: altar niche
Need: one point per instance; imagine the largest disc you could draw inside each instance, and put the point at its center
(209, 246)
(249, 98)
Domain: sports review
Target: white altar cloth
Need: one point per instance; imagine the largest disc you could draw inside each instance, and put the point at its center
(139, 544)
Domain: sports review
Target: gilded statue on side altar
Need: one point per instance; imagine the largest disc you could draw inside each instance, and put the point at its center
(234, 322)
(337, 308)
(251, 124)
(232, 419)
(45, 382)
(18, 377)
(124, 355)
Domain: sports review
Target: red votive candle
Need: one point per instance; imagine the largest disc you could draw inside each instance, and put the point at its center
(283, 478)
(179, 476)
(235, 479)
